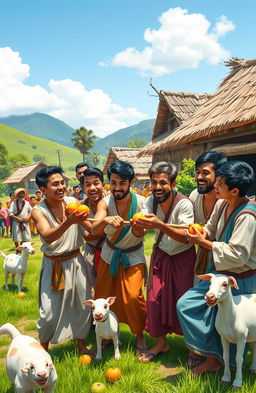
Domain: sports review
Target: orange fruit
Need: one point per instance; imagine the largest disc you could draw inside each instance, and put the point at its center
(21, 295)
(136, 216)
(113, 374)
(196, 226)
(71, 207)
(83, 208)
(85, 359)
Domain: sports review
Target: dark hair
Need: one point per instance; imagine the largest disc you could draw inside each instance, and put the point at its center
(44, 173)
(213, 157)
(122, 169)
(237, 174)
(81, 164)
(32, 197)
(76, 186)
(164, 167)
(93, 172)
(11, 194)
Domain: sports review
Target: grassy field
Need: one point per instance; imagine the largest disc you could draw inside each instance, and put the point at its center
(19, 142)
(168, 373)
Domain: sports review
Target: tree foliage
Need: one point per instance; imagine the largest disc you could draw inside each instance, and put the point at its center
(136, 143)
(94, 158)
(185, 180)
(19, 159)
(83, 140)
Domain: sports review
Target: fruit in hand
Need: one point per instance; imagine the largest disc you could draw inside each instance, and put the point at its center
(113, 374)
(192, 227)
(83, 208)
(136, 216)
(71, 207)
(98, 387)
(85, 359)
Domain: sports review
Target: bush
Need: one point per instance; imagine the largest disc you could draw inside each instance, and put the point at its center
(185, 180)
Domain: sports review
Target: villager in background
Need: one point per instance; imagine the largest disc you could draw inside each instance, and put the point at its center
(80, 168)
(20, 212)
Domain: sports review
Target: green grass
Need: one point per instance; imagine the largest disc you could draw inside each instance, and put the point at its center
(19, 142)
(154, 377)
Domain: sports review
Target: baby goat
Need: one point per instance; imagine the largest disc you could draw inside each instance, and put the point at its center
(106, 324)
(235, 321)
(17, 264)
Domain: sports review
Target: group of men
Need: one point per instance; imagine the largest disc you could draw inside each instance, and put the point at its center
(114, 263)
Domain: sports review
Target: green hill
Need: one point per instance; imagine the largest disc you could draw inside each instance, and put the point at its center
(41, 125)
(19, 142)
(121, 137)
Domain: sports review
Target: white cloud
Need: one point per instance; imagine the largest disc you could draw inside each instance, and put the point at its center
(67, 100)
(182, 41)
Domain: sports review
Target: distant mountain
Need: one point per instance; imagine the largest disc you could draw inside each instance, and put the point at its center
(50, 128)
(121, 137)
(41, 125)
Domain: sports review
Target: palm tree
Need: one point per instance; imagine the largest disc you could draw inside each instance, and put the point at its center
(83, 140)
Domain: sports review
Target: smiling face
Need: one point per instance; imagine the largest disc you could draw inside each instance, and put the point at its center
(119, 187)
(222, 191)
(205, 178)
(161, 186)
(55, 187)
(93, 187)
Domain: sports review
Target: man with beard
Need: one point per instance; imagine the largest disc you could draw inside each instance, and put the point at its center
(122, 265)
(93, 186)
(173, 257)
(204, 197)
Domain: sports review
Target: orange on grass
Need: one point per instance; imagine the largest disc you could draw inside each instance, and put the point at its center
(113, 374)
(71, 207)
(136, 216)
(85, 359)
(192, 231)
(83, 208)
(21, 295)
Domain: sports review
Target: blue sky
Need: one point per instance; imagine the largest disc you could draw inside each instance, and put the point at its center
(90, 63)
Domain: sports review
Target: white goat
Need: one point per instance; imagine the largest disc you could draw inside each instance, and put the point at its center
(235, 322)
(28, 365)
(106, 324)
(17, 264)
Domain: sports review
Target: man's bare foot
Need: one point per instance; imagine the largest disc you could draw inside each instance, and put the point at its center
(194, 359)
(140, 343)
(83, 350)
(211, 365)
(153, 352)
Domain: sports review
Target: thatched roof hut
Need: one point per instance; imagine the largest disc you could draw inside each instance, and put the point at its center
(174, 108)
(227, 118)
(140, 165)
(25, 177)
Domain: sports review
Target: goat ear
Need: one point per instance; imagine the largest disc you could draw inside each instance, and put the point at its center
(19, 248)
(205, 276)
(88, 302)
(24, 370)
(232, 282)
(111, 300)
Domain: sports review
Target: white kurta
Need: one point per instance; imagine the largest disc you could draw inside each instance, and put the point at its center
(129, 240)
(62, 314)
(19, 235)
(239, 254)
(181, 214)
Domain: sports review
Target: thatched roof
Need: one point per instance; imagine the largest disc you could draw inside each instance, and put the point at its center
(233, 105)
(177, 104)
(140, 165)
(24, 171)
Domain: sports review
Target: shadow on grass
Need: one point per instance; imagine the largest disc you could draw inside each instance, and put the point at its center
(14, 288)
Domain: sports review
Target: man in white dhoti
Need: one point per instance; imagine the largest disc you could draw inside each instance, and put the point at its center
(63, 280)
(20, 213)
